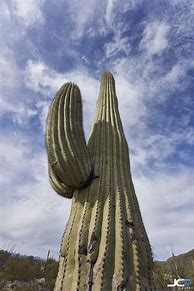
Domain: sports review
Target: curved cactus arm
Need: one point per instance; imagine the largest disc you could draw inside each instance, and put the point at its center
(58, 186)
(69, 162)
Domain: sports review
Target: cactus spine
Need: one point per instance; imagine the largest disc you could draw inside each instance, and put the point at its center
(104, 246)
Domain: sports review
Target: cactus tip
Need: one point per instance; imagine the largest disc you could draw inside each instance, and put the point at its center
(107, 73)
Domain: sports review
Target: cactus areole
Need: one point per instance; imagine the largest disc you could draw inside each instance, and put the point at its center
(105, 245)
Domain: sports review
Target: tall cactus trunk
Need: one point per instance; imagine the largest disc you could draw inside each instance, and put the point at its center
(105, 246)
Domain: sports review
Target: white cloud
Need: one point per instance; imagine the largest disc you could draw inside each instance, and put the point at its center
(41, 79)
(29, 207)
(155, 39)
(21, 113)
(118, 44)
(157, 148)
(167, 202)
(28, 11)
(9, 72)
(94, 17)
(83, 14)
(4, 11)
(15, 18)
(115, 6)
(174, 77)
(109, 8)
(131, 104)
(131, 5)
(12, 97)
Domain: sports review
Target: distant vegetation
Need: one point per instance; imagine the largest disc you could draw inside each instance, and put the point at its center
(14, 267)
(181, 266)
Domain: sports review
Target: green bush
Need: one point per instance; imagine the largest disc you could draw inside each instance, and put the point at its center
(21, 268)
(50, 273)
(4, 256)
(27, 268)
(165, 272)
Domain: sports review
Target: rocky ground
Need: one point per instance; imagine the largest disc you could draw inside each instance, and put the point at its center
(35, 285)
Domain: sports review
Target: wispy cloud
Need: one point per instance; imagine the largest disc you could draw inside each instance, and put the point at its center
(83, 15)
(28, 12)
(155, 37)
(118, 45)
(171, 222)
(30, 208)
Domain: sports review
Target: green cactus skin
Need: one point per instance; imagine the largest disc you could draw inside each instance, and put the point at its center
(68, 158)
(104, 246)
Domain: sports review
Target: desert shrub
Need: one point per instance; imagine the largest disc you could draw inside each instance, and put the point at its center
(165, 272)
(21, 268)
(50, 273)
(4, 256)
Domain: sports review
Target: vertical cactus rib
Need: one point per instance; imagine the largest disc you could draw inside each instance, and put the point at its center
(104, 258)
(118, 276)
(78, 126)
(109, 256)
(122, 172)
(72, 250)
(65, 242)
(100, 222)
(105, 246)
(82, 265)
(55, 157)
(121, 268)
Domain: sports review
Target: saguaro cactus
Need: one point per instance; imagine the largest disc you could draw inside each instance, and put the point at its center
(104, 246)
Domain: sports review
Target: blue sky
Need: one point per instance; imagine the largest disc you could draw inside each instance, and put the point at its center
(149, 47)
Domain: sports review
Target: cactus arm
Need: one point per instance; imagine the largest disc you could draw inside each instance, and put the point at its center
(78, 125)
(55, 156)
(58, 186)
(69, 163)
(74, 130)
